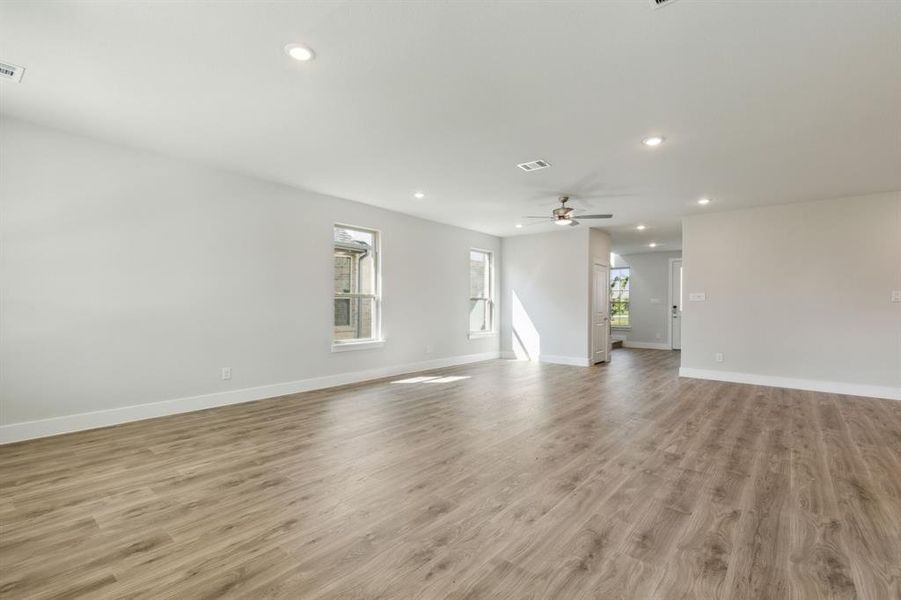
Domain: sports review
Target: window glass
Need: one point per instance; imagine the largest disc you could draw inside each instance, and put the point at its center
(619, 297)
(481, 292)
(356, 284)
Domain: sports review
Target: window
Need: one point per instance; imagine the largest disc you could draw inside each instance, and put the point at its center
(357, 299)
(481, 291)
(619, 297)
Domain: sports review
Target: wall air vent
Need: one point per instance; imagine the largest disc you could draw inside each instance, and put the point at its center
(535, 165)
(660, 3)
(8, 71)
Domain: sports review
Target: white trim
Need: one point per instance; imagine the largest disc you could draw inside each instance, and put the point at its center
(592, 309)
(550, 358)
(815, 385)
(492, 289)
(477, 335)
(16, 432)
(646, 345)
(669, 302)
(377, 296)
(564, 360)
(349, 346)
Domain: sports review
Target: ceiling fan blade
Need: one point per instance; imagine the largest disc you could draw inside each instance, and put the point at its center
(573, 222)
(595, 216)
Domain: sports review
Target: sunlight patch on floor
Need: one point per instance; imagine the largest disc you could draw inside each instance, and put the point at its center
(433, 379)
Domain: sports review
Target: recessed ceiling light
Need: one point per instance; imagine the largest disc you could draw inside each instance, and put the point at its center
(419, 195)
(703, 201)
(654, 140)
(652, 245)
(299, 52)
(519, 225)
(641, 227)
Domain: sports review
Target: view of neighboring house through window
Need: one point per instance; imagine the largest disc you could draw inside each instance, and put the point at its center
(356, 285)
(481, 291)
(619, 297)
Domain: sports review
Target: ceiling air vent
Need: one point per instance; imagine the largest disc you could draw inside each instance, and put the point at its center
(535, 165)
(8, 71)
(660, 3)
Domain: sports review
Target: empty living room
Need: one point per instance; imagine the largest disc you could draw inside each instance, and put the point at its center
(377, 299)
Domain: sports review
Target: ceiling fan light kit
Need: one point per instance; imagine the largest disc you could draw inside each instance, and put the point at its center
(564, 215)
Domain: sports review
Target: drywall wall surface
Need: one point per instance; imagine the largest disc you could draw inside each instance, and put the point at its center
(545, 296)
(649, 306)
(131, 278)
(796, 291)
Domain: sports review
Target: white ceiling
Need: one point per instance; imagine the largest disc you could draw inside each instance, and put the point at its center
(761, 102)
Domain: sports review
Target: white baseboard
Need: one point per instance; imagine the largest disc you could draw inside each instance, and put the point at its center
(646, 345)
(814, 385)
(574, 361)
(16, 432)
(550, 358)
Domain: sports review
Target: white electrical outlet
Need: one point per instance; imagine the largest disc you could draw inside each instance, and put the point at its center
(226, 372)
(896, 295)
(718, 357)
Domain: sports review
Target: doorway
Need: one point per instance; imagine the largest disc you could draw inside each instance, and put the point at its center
(675, 303)
(600, 309)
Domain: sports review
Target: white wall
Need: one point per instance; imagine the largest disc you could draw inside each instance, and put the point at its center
(650, 312)
(797, 295)
(130, 278)
(545, 289)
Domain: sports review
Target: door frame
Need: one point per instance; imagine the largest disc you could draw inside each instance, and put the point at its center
(669, 300)
(599, 262)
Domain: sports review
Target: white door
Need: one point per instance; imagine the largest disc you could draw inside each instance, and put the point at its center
(675, 302)
(600, 299)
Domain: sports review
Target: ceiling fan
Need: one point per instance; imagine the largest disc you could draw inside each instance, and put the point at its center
(564, 215)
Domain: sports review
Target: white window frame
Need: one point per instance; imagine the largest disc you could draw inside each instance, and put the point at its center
(376, 340)
(490, 298)
(610, 294)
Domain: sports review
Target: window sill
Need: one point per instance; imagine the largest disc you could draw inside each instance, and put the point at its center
(626, 328)
(350, 346)
(477, 335)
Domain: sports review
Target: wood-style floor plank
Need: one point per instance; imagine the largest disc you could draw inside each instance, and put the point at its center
(492, 480)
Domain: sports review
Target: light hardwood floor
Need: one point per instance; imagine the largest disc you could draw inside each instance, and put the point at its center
(516, 481)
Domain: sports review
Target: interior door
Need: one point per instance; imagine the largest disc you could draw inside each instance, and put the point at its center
(676, 304)
(600, 301)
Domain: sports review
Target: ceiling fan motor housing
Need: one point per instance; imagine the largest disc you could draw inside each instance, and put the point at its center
(564, 212)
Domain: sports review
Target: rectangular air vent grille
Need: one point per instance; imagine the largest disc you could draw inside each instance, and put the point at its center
(535, 165)
(8, 71)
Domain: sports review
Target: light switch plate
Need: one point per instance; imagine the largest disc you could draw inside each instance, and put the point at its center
(655, 300)
(896, 295)
(697, 296)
